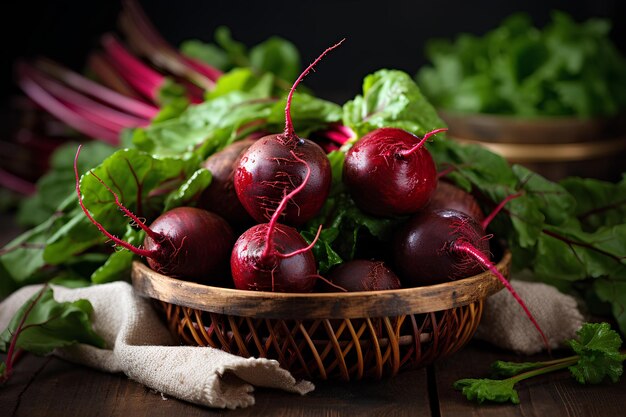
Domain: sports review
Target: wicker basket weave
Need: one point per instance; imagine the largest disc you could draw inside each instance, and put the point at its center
(349, 336)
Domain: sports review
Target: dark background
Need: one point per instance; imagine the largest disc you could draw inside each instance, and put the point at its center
(379, 34)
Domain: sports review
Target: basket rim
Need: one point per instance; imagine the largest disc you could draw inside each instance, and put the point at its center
(259, 304)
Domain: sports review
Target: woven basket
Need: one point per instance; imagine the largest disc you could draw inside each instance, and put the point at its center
(349, 336)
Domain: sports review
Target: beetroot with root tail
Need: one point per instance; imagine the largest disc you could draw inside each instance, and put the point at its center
(438, 246)
(388, 172)
(274, 272)
(274, 257)
(362, 275)
(268, 171)
(185, 242)
(190, 243)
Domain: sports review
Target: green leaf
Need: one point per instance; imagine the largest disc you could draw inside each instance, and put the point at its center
(613, 291)
(118, 264)
(243, 80)
(206, 52)
(482, 390)
(58, 182)
(51, 324)
(599, 203)
(598, 347)
(277, 56)
(390, 99)
(308, 113)
(506, 369)
(190, 190)
(23, 257)
(236, 51)
(212, 124)
(565, 68)
(324, 254)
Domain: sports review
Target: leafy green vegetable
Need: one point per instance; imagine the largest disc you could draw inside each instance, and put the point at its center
(275, 55)
(565, 69)
(58, 182)
(502, 368)
(599, 203)
(482, 390)
(597, 357)
(390, 99)
(42, 324)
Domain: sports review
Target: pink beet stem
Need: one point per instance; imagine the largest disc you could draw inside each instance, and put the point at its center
(85, 85)
(339, 287)
(16, 184)
(143, 78)
(499, 208)
(91, 109)
(108, 75)
(143, 36)
(134, 249)
(408, 152)
(128, 213)
(40, 96)
(289, 130)
(469, 249)
(267, 252)
(308, 248)
(336, 137)
(203, 68)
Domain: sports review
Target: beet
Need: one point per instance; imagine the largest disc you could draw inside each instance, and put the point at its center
(362, 275)
(423, 247)
(191, 243)
(388, 172)
(269, 170)
(185, 242)
(220, 196)
(275, 272)
(451, 197)
(442, 245)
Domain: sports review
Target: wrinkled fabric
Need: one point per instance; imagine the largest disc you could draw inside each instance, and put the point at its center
(505, 324)
(139, 345)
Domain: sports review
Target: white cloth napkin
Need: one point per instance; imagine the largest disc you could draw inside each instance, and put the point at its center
(505, 324)
(140, 346)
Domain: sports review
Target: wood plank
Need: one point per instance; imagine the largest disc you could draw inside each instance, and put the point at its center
(65, 389)
(548, 395)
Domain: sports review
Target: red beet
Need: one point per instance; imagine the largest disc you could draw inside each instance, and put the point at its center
(388, 172)
(220, 196)
(190, 243)
(275, 272)
(423, 247)
(442, 245)
(275, 257)
(362, 275)
(185, 242)
(268, 170)
(451, 197)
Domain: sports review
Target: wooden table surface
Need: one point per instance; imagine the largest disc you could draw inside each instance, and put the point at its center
(52, 387)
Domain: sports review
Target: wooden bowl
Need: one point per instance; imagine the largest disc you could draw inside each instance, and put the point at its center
(556, 147)
(350, 336)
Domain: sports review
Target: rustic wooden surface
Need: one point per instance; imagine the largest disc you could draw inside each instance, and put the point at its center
(52, 387)
(318, 305)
